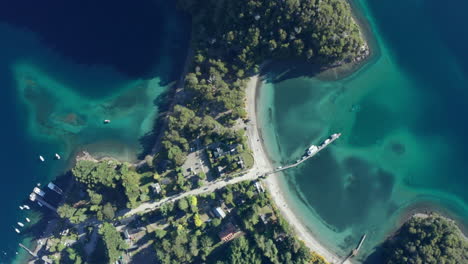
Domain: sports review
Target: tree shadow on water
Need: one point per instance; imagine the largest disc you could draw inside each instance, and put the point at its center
(162, 103)
(279, 71)
(375, 257)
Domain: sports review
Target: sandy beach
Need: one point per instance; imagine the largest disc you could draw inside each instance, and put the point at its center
(263, 163)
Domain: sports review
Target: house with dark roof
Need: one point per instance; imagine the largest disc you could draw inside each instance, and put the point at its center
(228, 233)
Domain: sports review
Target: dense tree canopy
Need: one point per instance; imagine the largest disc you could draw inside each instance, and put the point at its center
(93, 174)
(427, 240)
(253, 30)
(240, 252)
(232, 38)
(115, 245)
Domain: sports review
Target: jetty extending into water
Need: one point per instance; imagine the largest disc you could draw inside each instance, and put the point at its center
(355, 251)
(310, 154)
(34, 197)
(28, 250)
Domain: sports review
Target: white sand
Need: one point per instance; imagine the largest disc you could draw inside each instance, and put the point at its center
(263, 164)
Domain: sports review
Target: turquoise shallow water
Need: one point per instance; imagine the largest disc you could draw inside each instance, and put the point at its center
(403, 118)
(67, 67)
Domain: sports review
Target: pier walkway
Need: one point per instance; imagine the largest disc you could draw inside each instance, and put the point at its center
(305, 158)
(252, 174)
(355, 251)
(28, 250)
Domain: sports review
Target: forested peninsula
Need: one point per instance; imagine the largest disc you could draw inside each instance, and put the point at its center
(230, 40)
(427, 239)
(180, 205)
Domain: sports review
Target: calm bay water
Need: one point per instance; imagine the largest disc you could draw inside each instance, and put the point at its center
(404, 122)
(65, 68)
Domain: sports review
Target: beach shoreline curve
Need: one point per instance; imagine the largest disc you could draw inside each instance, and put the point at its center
(263, 162)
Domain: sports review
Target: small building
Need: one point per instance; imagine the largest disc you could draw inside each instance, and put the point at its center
(259, 187)
(241, 163)
(218, 152)
(219, 212)
(156, 187)
(281, 237)
(228, 232)
(264, 218)
(220, 170)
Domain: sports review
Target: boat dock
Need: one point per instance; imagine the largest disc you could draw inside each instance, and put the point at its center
(37, 198)
(327, 142)
(355, 251)
(28, 250)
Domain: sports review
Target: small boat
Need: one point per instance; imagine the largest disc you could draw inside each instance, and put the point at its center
(39, 203)
(20, 224)
(41, 158)
(28, 220)
(26, 207)
(107, 121)
(17, 230)
(21, 207)
(57, 156)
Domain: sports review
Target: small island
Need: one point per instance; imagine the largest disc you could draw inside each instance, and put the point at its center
(198, 197)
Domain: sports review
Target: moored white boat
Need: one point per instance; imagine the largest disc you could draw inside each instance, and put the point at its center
(39, 191)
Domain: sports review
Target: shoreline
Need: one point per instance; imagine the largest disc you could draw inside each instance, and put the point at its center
(263, 161)
(425, 209)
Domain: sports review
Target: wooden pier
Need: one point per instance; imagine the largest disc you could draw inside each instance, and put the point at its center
(325, 144)
(28, 250)
(34, 197)
(355, 251)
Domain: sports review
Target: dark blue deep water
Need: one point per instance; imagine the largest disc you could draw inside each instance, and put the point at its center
(78, 61)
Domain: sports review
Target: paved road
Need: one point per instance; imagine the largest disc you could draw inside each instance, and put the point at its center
(211, 187)
(261, 163)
